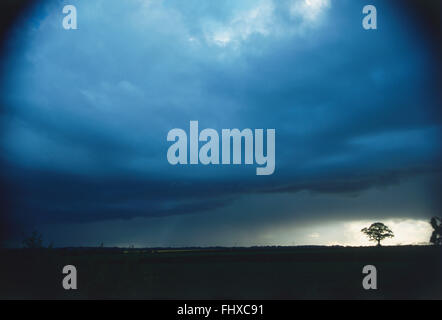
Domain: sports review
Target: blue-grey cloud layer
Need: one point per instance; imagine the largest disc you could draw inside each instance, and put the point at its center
(86, 112)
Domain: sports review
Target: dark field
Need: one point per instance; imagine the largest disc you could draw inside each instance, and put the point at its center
(257, 273)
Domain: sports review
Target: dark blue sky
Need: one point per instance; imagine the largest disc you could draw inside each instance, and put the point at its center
(86, 114)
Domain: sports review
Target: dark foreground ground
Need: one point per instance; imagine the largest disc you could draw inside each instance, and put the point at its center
(258, 273)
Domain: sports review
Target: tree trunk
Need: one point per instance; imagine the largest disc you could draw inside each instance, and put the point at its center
(379, 243)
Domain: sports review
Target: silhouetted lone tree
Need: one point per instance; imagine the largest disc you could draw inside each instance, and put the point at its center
(436, 236)
(378, 232)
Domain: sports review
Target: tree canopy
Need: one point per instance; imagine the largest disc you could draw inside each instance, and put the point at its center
(436, 237)
(378, 232)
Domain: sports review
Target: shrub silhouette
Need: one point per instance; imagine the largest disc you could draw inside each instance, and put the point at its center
(34, 241)
(436, 236)
(378, 232)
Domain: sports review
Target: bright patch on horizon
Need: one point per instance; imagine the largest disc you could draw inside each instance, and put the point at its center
(348, 233)
(406, 232)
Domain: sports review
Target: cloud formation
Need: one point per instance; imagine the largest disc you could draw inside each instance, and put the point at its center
(86, 112)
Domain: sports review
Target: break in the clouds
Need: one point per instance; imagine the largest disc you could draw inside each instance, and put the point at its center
(86, 112)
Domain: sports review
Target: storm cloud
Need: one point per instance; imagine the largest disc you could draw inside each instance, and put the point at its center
(85, 113)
